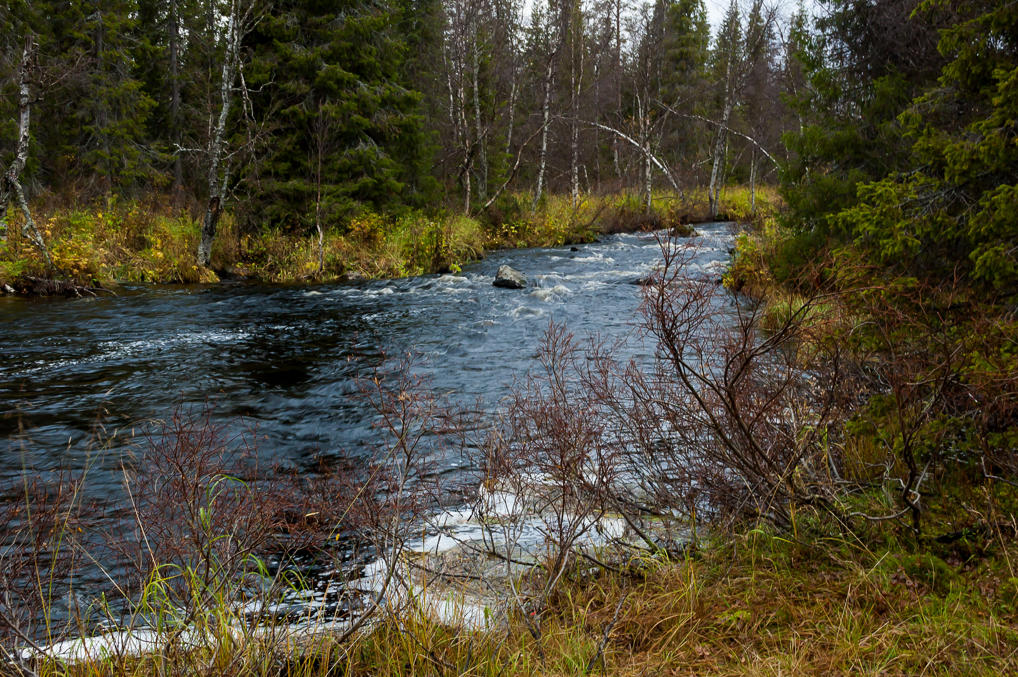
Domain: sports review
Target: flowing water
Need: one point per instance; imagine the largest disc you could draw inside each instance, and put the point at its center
(286, 359)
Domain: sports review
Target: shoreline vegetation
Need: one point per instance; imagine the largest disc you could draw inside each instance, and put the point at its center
(94, 247)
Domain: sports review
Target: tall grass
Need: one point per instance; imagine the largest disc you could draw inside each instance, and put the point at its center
(130, 241)
(755, 603)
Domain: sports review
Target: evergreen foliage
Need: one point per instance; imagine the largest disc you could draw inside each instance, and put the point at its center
(344, 129)
(858, 79)
(955, 209)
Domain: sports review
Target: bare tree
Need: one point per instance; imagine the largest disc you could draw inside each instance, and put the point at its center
(553, 38)
(740, 55)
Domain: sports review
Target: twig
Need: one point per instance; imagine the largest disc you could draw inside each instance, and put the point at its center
(607, 631)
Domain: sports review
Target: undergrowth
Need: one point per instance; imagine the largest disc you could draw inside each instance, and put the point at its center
(124, 241)
(756, 602)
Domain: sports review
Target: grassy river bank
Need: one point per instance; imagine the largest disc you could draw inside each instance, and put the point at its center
(117, 241)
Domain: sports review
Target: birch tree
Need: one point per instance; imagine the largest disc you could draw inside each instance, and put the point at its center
(574, 31)
(11, 189)
(551, 40)
(218, 169)
(735, 58)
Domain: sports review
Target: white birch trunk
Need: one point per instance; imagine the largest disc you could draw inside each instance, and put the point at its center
(10, 184)
(648, 179)
(215, 175)
(717, 167)
(545, 115)
(482, 153)
(752, 183)
(618, 84)
(575, 83)
(512, 113)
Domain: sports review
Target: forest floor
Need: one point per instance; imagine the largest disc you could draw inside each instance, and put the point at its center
(98, 246)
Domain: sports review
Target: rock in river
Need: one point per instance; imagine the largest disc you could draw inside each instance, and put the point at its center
(509, 278)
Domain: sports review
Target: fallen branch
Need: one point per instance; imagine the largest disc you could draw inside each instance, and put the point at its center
(628, 139)
(722, 126)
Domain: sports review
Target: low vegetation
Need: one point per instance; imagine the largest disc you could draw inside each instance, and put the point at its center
(137, 242)
(757, 602)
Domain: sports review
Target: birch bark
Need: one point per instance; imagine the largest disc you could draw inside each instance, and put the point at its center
(218, 172)
(542, 162)
(10, 184)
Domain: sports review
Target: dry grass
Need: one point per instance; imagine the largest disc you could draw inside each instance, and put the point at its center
(151, 242)
(757, 603)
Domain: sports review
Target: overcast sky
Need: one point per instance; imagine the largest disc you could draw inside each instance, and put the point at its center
(716, 9)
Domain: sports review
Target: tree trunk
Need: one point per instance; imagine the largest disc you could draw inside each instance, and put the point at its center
(174, 45)
(752, 182)
(464, 125)
(644, 114)
(717, 167)
(482, 152)
(575, 83)
(216, 176)
(512, 114)
(10, 184)
(545, 115)
(618, 84)
(321, 144)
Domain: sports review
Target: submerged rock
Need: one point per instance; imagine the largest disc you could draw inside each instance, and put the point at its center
(509, 278)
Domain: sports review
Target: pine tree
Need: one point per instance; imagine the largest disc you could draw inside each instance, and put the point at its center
(952, 210)
(112, 115)
(862, 63)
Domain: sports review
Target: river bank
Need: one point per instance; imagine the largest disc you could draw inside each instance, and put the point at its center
(96, 247)
(752, 603)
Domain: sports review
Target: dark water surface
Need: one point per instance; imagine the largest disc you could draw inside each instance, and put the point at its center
(285, 358)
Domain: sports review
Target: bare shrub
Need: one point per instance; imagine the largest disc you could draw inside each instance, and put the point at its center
(401, 476)
(41, 526)
(726, 422)
(545, 468)
(732, 421)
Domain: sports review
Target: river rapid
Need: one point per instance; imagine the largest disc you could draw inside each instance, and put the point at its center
(81, 380)
(285, 360)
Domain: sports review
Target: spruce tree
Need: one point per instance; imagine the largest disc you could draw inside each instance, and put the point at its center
(345, 129)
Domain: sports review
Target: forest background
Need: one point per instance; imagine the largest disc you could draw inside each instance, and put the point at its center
(318, 130)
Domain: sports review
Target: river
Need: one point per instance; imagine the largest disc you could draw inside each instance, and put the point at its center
(284, 359)
(79, 379)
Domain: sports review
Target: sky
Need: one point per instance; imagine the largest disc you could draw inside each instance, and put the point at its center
(716, 8)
